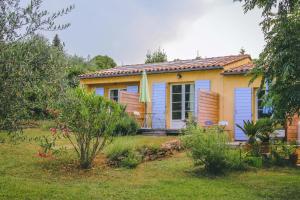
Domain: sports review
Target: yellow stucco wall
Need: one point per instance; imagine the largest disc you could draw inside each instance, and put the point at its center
(224, 85)
(230, 82)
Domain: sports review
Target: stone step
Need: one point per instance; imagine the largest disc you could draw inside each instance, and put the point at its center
(158, 132)
(155, 133)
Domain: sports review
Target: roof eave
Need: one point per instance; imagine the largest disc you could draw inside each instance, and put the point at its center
(149, 72)
(235, 73)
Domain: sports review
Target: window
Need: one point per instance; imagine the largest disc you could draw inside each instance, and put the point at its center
(115, 93)
(262, 109)
(182, 101)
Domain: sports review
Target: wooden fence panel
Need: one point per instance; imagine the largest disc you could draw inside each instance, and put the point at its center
(292, 129)
(208, 108)
(133, 106)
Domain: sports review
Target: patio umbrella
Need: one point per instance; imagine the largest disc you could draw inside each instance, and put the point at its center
(144, 94)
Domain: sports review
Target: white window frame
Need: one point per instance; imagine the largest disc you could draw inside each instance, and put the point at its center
(182, 100)
(119, 89)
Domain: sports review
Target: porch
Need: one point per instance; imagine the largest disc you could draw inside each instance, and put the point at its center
(205, 112)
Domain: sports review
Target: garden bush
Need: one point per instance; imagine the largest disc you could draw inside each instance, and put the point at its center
(123, 154)
(88, 121)
(254, 161)
(126, 126)
(209, 148)
(282, 154)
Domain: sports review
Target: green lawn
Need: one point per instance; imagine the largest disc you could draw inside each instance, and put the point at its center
(23, 175)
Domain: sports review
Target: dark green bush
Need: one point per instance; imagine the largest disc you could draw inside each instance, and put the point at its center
(282, 154)
(126, 126)
(258, 131)
(131, 160)
(209, 148)
(253, 161)
(122, 154)
(88, 121)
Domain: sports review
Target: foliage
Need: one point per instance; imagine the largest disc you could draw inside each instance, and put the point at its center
(57, 43)
(156, 57)
(265, 129)
(123, 155)
(23, 175)
(103, 62)
(209, 148)
(254, 161)
(257, 131)
(279, 62)
(31, 70)
(48, 144)
(242, 51)
(18, 22)
(88, 121)
(250, 129)
(282, 154)
(126, 126)
(78, 65)
(31, 76)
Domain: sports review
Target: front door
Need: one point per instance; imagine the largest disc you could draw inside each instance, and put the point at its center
(182, 104)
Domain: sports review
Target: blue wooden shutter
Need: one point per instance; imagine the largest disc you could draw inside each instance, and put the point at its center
(242, 110)
(99, 91)
(133, 89)
(159, 105)
(200, 85)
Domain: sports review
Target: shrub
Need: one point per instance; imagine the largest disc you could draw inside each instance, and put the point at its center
(265, 129)
(257, 131)
(254, 161)
(123, 154)
(258, 135)
(126, 126)
(282, 154)
(250, 129)
(209, 148)
(88, 122)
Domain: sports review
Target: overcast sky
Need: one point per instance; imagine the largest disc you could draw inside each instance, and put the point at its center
(126, 29)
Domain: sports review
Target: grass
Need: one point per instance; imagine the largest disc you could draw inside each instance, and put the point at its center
(23, 175)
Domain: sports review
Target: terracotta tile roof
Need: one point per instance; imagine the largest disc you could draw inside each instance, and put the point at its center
(243, 69)
(173, 66)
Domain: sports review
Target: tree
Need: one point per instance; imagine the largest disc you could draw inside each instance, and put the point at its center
(279, 63)
(156, 56)
(17, 22)
(31, 70)
(32, 77)
(57, 43)
(103, 62)
(88, 121)
(76, 66)
(242, 51)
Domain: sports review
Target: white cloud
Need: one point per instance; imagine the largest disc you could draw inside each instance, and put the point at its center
(125, 30)
(223, 31)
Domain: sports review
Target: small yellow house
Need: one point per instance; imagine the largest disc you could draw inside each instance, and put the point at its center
(214, 90)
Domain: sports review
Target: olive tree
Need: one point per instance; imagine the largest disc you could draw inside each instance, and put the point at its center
(31, 70)
(88, 121)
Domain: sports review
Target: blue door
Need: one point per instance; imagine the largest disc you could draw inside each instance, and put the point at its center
(242, 110)
(159, 105)
(200, 85)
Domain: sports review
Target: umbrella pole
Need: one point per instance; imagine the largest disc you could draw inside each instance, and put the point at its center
(145, 115)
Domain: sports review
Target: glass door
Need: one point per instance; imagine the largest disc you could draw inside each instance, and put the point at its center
(182, 104)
